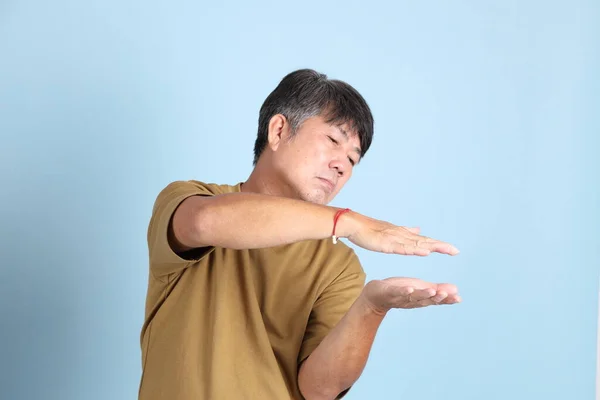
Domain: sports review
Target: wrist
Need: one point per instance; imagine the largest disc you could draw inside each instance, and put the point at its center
(347, 224)
(368, 307)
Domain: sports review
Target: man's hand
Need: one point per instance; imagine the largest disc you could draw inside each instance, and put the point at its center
(384, 237)
(383, 295)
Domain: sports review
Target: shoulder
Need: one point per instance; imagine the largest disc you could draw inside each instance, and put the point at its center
(184, 188)
(196, 185)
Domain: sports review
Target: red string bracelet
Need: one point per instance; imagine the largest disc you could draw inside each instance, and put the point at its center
(335, 220)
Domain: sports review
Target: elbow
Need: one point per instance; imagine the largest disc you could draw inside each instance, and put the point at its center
(329, 393)
(314, 387)
(190, 223)
(200, 225)
(310, 393)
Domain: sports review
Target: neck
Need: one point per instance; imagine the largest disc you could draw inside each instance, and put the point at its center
(262, 180)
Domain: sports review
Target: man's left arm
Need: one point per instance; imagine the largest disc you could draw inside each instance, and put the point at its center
(338, 361)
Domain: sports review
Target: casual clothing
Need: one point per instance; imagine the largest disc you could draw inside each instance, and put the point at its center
(236, 324)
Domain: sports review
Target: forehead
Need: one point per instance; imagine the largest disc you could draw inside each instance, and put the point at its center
(319, 125)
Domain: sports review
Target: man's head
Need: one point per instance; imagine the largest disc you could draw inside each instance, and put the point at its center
(312, 130)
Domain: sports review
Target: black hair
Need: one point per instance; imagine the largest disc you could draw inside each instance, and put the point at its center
(306, 93)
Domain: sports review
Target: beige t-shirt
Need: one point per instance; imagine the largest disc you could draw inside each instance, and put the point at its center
(236, 324)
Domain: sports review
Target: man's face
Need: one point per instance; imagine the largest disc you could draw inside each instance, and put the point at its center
(318, 160)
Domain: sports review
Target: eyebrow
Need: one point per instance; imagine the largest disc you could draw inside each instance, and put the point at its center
(345, 134)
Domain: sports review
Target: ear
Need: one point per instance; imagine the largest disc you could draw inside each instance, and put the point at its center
(278, 131)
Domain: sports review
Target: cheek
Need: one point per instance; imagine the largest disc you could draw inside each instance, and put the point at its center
(310, 159)
(314, 159)
(322, 154)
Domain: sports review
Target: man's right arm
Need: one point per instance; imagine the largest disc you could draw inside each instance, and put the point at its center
(252, 220)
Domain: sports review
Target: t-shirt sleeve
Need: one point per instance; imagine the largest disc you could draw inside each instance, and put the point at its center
(163, 260)
(333, 303)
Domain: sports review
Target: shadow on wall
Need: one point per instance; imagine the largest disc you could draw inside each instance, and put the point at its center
(68, 318)
(39, 291)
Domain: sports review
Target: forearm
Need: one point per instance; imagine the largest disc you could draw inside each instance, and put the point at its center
(340, 358)
(250, 220)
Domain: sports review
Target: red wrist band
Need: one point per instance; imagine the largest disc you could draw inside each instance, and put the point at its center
(335, 220)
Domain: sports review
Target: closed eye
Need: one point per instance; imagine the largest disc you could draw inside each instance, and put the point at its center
(333, 140)
(352, 161)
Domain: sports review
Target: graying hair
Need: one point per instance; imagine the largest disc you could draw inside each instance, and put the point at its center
(306, 93)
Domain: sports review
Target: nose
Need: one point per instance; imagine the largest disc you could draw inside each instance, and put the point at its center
(338, 165)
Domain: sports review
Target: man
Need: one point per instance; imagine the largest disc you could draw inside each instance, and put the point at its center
(250, 295)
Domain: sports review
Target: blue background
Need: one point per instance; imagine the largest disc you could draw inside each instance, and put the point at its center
(486, 137)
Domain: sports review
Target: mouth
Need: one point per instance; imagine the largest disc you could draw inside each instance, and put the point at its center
(330, 185)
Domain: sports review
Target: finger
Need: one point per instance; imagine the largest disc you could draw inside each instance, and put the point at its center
(435, 300)
(439, 297)
(448, 288)
(410, 250)
(432, 301)
(400, 291)
(426, 303)
(422, 294)
(433, 245)
(456, 298)
(452, 299)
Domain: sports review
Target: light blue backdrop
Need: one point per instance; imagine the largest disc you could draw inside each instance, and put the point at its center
(486, 136)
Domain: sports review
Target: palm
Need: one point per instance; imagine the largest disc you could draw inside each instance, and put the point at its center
(390, 293)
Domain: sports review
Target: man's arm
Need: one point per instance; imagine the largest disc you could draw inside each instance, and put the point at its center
(340, 358)
(252, 220)
(338, 361)
(249, 221)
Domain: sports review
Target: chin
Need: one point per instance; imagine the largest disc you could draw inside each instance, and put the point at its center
(316, 197)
